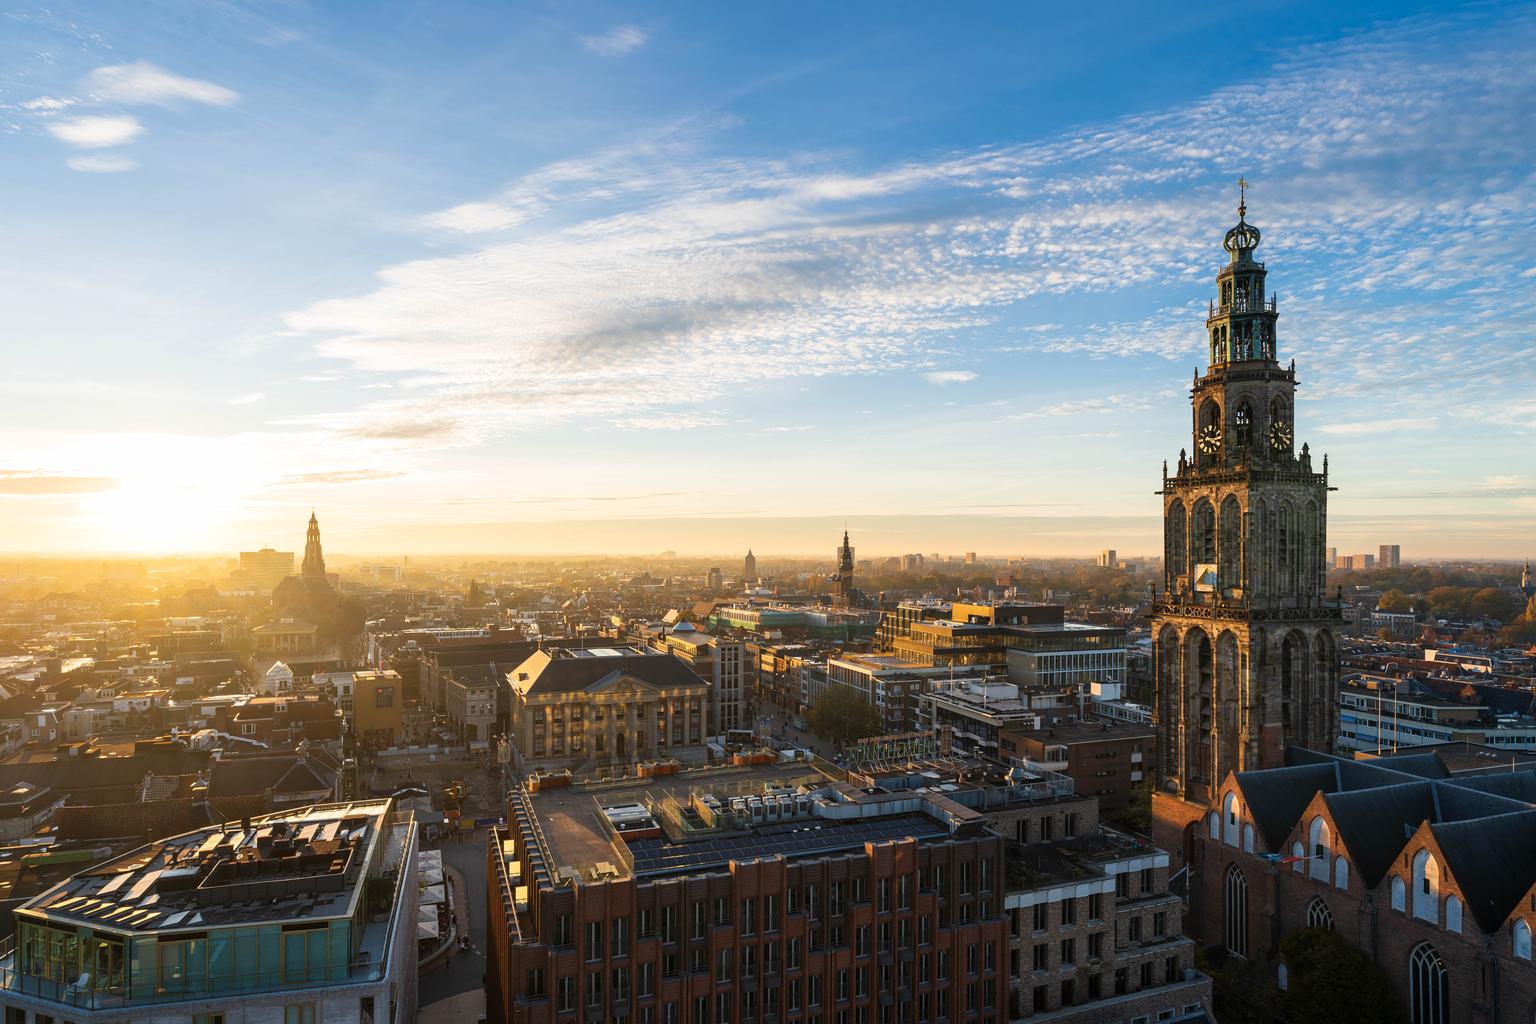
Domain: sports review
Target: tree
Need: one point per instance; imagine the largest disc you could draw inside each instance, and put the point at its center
(1493, 603)
(1450, 602)
(1328, 979)
(1394, 600)
(841, 715)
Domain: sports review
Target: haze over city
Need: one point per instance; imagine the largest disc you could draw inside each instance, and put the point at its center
(593, 279)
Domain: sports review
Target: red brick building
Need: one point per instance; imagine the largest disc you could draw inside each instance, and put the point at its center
(1432, 875)
(1106, 759)
(779, 894)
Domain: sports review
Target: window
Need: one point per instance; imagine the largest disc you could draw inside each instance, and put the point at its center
(565, 995)
(304, 1013)
(1453, 914)
(1319, 916)
(1521, 936)
(383, 697)
(1428, 994)
(1399, 891)
(1426, 887)
(1320, 840)
(1229, 814)
(1341, 873)
(594, 945)
(1068, 911)
(1237, 911)
(1096, 907)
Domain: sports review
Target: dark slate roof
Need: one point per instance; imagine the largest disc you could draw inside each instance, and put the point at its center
(1515, 785)
(1374, 823)
(1277, 796)
(1490, 859)
(573, 671)
(1425, 766)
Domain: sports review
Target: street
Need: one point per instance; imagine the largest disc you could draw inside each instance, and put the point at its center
(465, 972)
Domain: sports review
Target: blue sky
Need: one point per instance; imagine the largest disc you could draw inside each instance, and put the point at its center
(571, 277)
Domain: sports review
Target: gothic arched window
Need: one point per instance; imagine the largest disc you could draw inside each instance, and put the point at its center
(1237, 911)
(1320, 849)
(1521, 938)
(1230, 543)
(1453, 914)
(1429, 1000)
(1204, 533)
(1177, 553)
(1426, 887)
(1230, 810)
(1319, 916)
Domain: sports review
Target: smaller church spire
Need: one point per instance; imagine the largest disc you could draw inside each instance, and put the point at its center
(314, 559)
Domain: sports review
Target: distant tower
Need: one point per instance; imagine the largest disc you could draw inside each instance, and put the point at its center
(1527, 581)
(1245, 642)
(842, 582)
(749, 568)
(314, 561)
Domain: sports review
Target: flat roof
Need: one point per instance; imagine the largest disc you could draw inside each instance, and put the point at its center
(296, 864)
(571, 820)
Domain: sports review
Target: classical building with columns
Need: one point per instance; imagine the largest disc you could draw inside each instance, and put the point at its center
(607, 705)
(1245, 635)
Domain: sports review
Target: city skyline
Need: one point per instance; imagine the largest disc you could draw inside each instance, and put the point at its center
(678, 305)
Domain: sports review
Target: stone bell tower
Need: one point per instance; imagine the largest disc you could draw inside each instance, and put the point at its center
(1245, 639)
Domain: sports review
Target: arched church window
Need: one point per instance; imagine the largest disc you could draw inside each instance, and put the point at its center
(1426, 887)
(1237, 911)
(1319, 916)
(1429, 999)
(1243, 425)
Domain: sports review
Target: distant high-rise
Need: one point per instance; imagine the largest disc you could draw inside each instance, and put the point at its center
(716, 579)
(1108, 558)
(266, 568)
(749, 568)
(1389, 557)
(970, 558)
(1333, 556)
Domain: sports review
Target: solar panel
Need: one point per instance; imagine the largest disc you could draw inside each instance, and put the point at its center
(660, 856)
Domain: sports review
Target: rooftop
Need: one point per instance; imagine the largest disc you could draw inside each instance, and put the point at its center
(702, 820)
(290, 865)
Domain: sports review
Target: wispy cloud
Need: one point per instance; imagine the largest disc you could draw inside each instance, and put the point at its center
(248, 399)
(1388, 426)
(102, 163)
(96, 131)
(1391, 193)
(616, 41)
(341, 476)
(28, 483)
(942, 377)
(146, 83)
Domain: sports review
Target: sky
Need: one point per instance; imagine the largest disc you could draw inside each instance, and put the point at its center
(584, 278)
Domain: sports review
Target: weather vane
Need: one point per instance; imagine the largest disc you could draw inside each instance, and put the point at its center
(1242, 197)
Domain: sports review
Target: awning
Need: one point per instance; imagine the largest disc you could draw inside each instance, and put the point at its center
(433, 894)
(430, 876)
(426, 929)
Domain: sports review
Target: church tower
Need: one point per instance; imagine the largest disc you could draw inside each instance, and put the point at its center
(314, 561)
(843, 580)
(749, 569)
(1245, 640)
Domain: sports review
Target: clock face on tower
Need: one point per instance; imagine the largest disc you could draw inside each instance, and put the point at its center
(1280, 436)
(1210, 439)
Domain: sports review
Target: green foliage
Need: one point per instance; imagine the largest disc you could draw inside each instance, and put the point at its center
(1138, 816)
(840, 715)
(1394, 600)
(1332, 980)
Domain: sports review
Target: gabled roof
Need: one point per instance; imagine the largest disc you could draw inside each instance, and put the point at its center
(1375, 823)
(1276, 797)
(1490, 859)
(572, 671)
